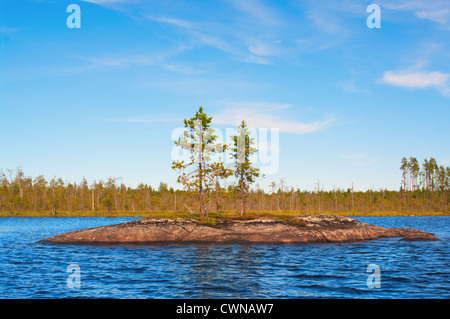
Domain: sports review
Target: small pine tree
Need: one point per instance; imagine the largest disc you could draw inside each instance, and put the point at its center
(241, 149)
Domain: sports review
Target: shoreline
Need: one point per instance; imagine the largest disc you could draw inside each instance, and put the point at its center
(174, 215)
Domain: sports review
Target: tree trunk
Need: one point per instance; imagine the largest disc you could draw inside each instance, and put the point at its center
(200, 189)
(335, 201)
(242, 194)
(115, 197)
(353, 200)
(93, 206)
(217, 198)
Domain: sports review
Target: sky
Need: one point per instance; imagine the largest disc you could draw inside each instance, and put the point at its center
(341, 102)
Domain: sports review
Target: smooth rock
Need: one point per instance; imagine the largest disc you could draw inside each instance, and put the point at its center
(298, 230)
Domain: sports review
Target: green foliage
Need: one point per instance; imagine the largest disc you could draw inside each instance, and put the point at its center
(208, 221)
(242, 217)
(242, 149)
(200, 173)
(21, 195)
(108, 203)
(433, 177)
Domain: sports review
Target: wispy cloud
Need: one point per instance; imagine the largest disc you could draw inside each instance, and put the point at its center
(161, 60)
(266, 115)
(254, 38)
(264, 48)
(329, 24)
(408, 79)
(441, 16)
(251, 31)
(173, 21)
(195, 31)
(436, 11)
(258, 10)
(326, 22)
(417, 79)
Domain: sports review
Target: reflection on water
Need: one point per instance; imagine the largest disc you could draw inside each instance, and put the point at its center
(29, 269)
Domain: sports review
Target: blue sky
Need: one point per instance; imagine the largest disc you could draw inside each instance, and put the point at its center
(103, 100)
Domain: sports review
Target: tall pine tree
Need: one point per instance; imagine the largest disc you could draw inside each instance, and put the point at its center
(199, 140)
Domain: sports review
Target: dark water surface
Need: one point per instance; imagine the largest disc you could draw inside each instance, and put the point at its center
(29, 269)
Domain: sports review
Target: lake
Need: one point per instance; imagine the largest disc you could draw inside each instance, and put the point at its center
(29, 269)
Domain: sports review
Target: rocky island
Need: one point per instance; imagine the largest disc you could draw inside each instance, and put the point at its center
(297, 230)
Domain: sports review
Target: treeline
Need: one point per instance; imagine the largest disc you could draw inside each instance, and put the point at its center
(20, 193)
(432, 177)
(203, 179)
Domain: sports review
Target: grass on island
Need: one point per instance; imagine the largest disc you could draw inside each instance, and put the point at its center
(213, 216)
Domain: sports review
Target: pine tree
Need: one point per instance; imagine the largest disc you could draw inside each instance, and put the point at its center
(404, 169)
(199, 140)
(219, 172)
(243, 170)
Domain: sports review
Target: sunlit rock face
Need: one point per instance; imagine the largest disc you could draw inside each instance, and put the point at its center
(298, 230)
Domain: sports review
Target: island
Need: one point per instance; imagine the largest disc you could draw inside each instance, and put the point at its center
(297, 230)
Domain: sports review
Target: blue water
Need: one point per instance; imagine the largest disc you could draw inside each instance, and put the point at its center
(29, 269)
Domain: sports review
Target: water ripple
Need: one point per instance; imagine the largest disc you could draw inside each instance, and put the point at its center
(29, 269)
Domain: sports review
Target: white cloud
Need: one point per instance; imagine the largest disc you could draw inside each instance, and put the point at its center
(436, 79)
(417, 79)
(265, 115)
(436, 10)
(441, 16)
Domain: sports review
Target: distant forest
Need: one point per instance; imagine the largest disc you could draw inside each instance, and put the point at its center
(423, 188)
